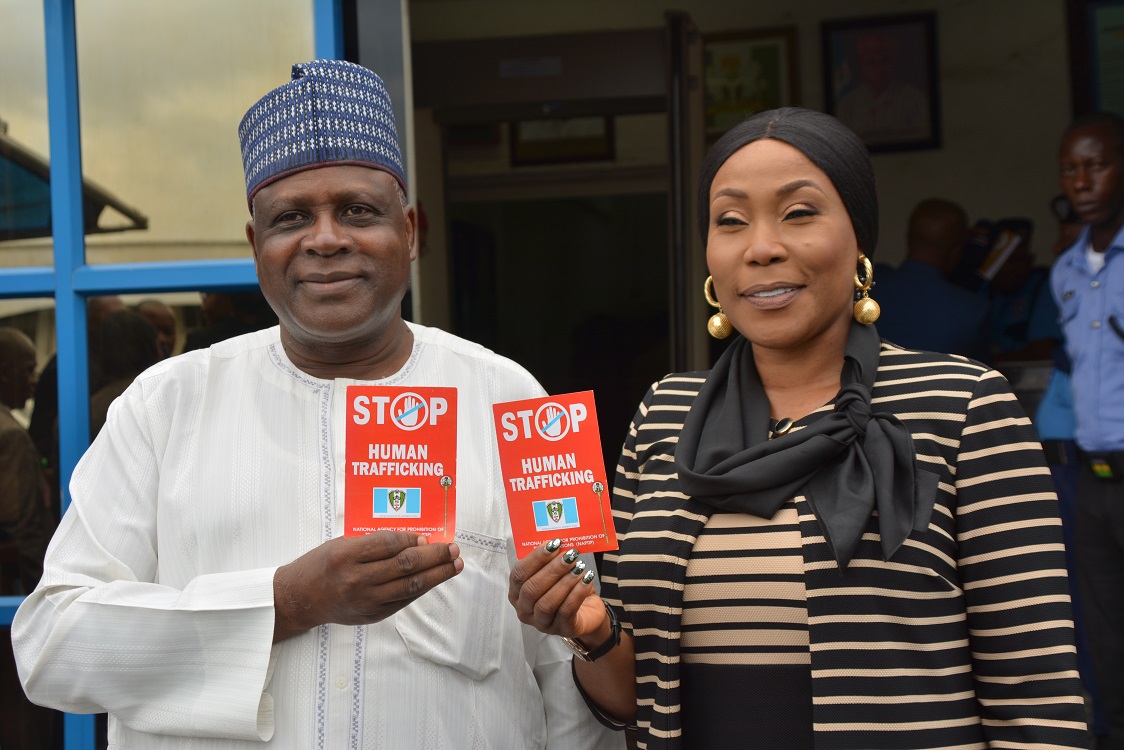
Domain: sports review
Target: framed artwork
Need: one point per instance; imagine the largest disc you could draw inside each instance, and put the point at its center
(747, 72)
(880, 79)
(562, 141)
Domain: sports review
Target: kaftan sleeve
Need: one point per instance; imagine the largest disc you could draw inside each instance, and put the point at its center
(100, 633)
(1012, 566)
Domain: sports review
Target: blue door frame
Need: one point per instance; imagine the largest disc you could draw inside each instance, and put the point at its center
(70, 281)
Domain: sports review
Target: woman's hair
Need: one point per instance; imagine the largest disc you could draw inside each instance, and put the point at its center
(826, 142)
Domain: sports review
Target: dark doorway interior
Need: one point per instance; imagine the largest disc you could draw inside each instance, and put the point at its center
(574, 289)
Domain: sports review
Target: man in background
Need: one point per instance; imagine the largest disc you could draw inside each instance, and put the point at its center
(921, 308)
(1087, 282)
(1024, 318)
(1056, 426)
(229, 314)
(25, 521)
(163, 320)
(24, 497)
(44, 427)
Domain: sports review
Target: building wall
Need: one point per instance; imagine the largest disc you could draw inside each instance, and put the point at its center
(1003, 77)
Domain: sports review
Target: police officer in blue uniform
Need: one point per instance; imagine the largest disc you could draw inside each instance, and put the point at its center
(1087, 282)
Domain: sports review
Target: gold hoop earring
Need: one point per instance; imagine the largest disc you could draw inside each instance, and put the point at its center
(866, 310)
(719, 325)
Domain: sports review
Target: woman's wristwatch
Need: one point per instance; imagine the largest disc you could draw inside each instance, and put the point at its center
(613, 640)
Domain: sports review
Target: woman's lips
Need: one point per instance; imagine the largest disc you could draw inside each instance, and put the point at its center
(771, 299)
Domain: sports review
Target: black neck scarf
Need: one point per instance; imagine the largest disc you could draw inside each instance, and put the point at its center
(846, 463)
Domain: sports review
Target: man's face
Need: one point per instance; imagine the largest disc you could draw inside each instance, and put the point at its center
(332, 248)
(878, 56)
(1091, 174)
(17, 373)
(164, 321)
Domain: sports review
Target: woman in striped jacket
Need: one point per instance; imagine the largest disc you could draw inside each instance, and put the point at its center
(826, 541)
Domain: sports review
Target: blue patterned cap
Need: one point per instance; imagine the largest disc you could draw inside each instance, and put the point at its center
(332, 112)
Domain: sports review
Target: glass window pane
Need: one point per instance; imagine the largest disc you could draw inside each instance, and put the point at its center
(128, 333)
(163, 88)
(22, 723)
(25, 201)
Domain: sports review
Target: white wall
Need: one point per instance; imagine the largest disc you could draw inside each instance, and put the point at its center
(1004, 86)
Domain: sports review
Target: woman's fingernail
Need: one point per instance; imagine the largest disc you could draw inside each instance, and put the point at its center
(553, 545)
(589, 576)
(570, 556)
(578, 568)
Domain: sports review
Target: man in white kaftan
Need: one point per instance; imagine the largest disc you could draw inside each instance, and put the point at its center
(199, 586)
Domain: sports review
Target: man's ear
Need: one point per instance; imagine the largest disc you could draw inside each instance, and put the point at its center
(411, 215)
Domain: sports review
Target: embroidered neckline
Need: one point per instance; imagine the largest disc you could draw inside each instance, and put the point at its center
(283, 363)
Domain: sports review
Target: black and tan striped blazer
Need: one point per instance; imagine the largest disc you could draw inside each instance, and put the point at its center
(964, 639)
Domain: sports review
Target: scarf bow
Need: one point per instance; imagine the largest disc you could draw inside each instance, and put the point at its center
(847, 463)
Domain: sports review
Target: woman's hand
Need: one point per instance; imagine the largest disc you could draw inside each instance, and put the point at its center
(553, 591)
(547, 595)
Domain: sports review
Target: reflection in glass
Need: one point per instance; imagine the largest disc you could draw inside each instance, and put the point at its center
(163, 88)
(28, 511)
(25, 201)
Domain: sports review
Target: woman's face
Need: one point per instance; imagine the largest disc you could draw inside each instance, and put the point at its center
(781, 249)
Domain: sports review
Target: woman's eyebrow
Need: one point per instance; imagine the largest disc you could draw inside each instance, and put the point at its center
(795, 185)
(730, 193)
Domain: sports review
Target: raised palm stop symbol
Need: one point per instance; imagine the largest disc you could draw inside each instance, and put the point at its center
(552, 426)
(446, 483)
(410, 411)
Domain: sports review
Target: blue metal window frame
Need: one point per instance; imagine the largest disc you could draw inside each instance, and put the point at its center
(71, 280)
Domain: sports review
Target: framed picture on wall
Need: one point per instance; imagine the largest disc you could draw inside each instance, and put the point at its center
(880, 79)
(746, 72)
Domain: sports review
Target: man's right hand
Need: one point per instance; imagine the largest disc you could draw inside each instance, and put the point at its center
(358, 580)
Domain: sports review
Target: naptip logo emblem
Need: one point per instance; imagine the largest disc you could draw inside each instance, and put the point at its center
(552, 421)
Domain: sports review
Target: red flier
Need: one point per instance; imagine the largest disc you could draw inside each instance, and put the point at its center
(401, 460)
(553, 472)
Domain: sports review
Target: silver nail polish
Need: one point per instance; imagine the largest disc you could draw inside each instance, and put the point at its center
(589, 576)
(579, 568)
(553, 544)
(570, 556)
